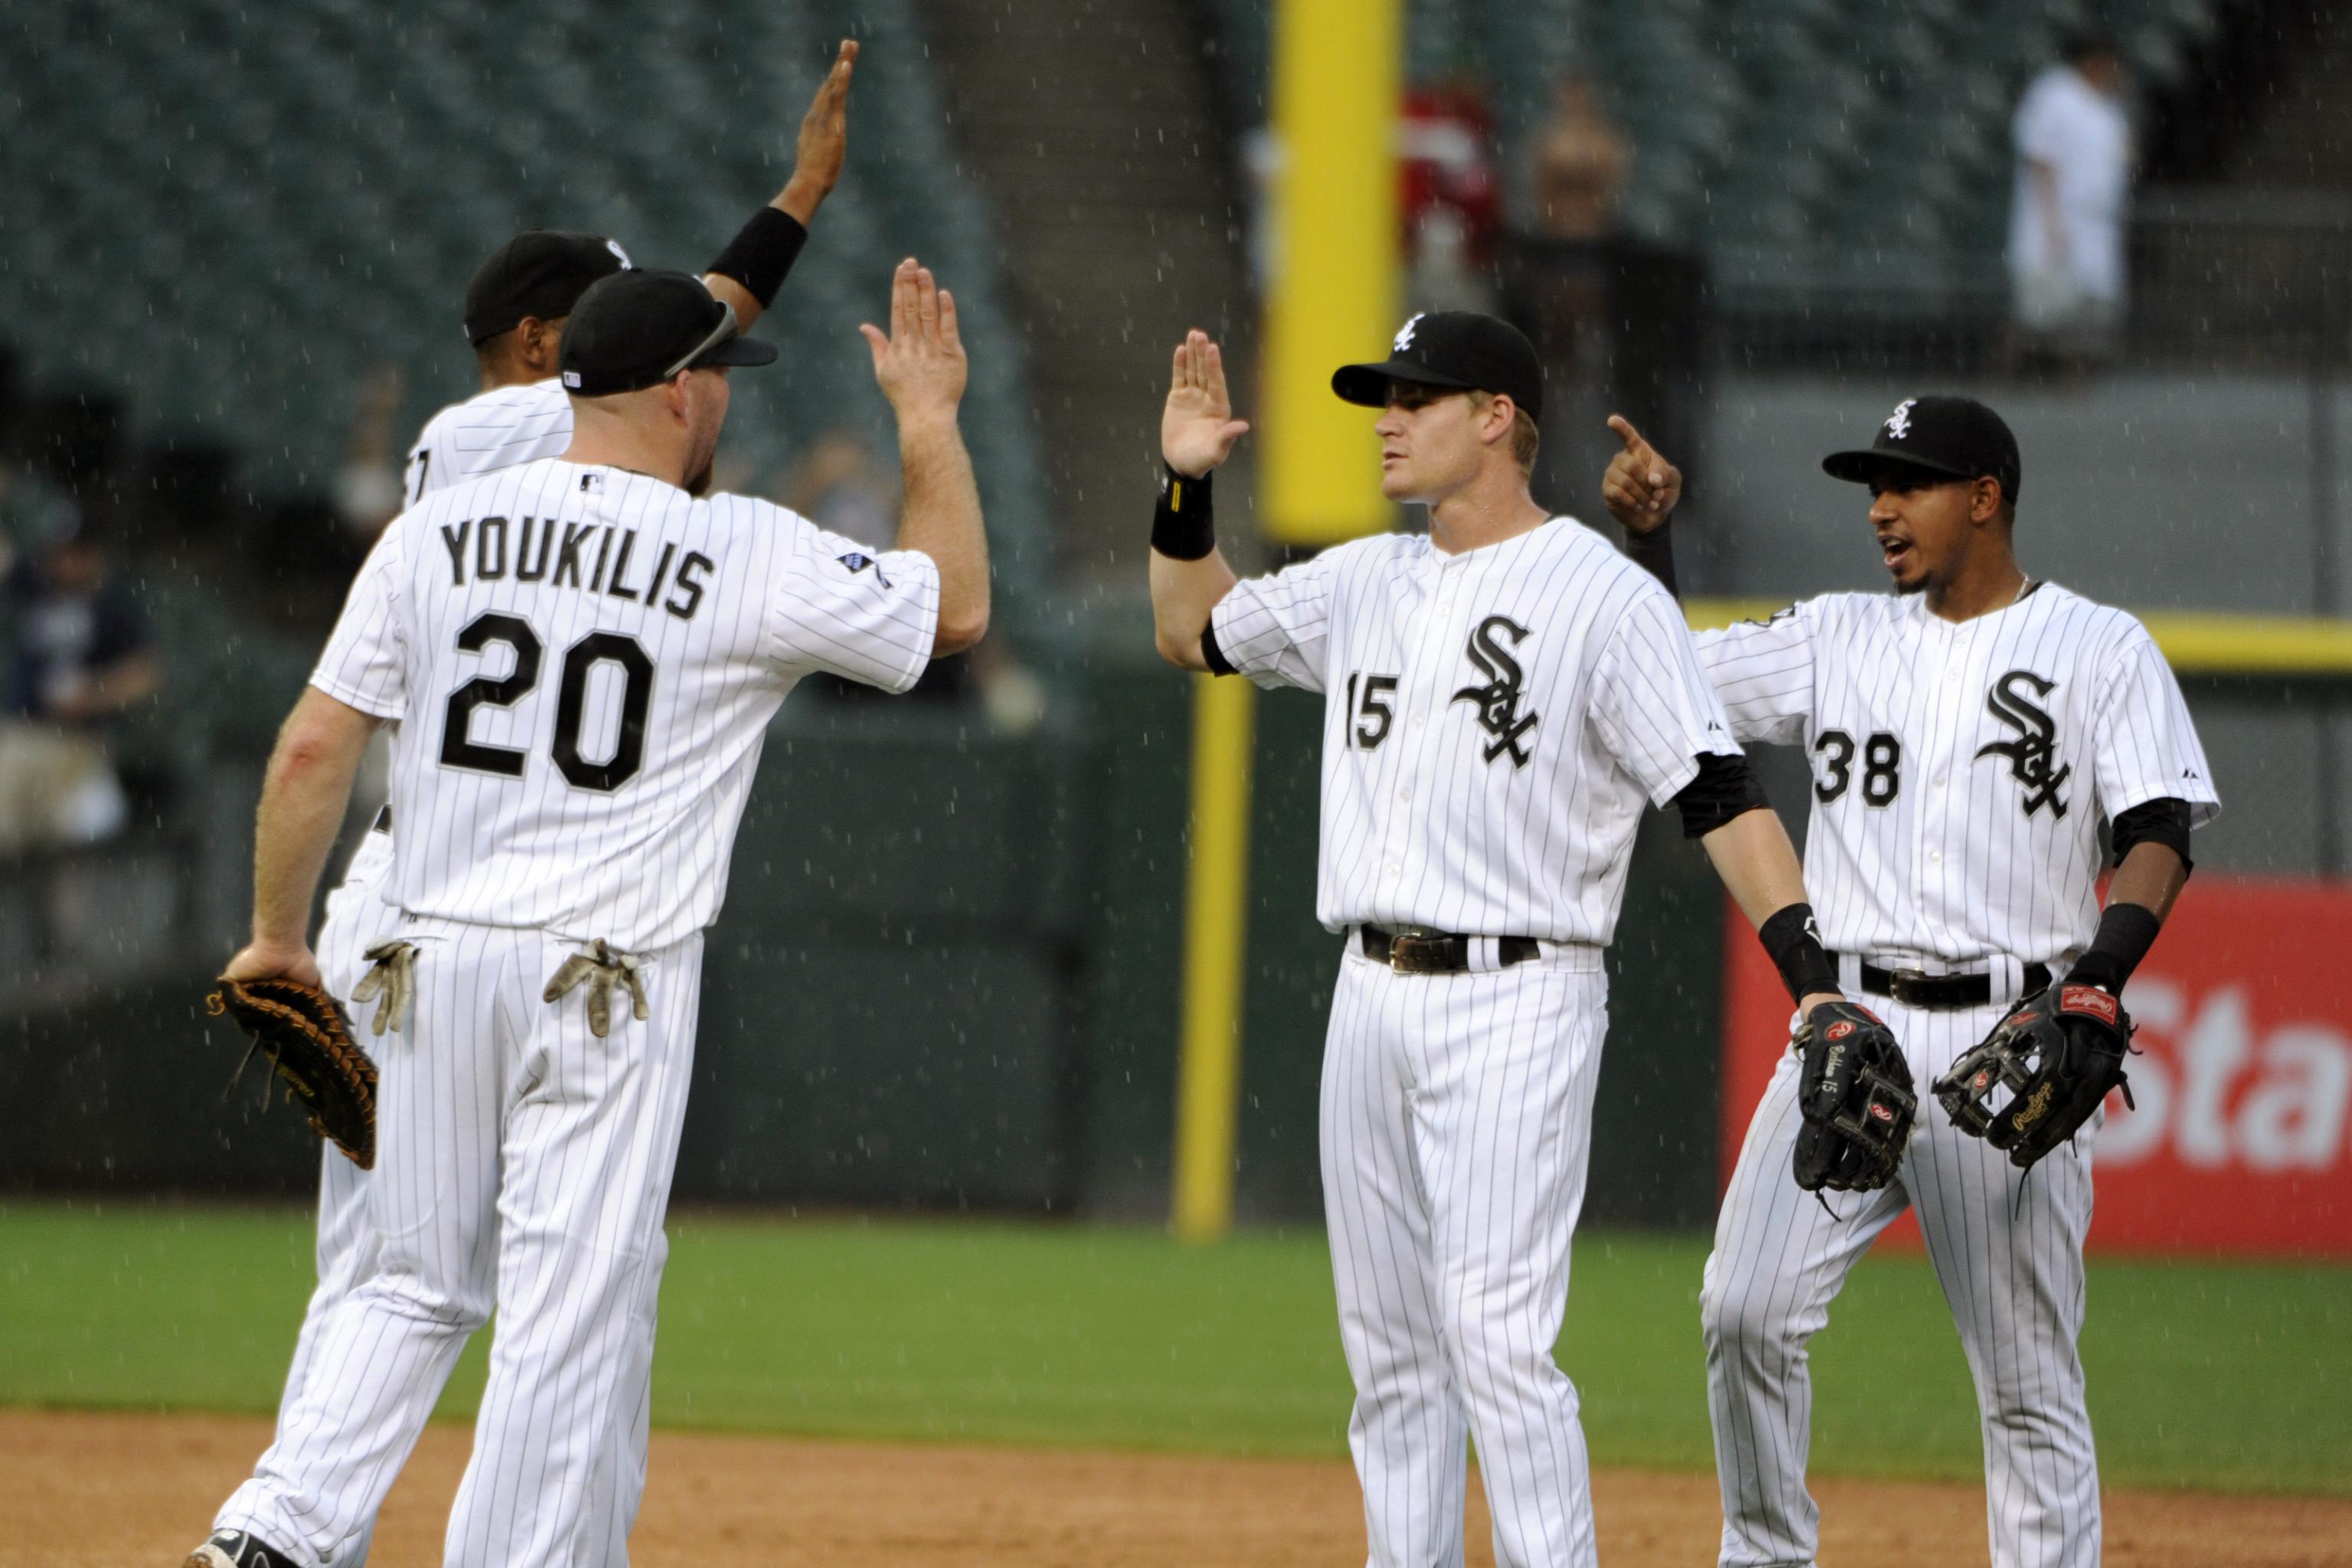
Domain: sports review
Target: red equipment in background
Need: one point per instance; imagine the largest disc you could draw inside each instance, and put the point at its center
(2242, 1139)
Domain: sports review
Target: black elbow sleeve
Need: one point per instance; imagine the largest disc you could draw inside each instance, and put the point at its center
(1211, 654)
(2164, 821)
(1726, 788)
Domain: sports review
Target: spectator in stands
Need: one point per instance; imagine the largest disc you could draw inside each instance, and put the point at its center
(840, 485)
(79, 653)
(1578, 168)
(1449, 197)
(2066, 219)
(1575, 172)
(368, 490)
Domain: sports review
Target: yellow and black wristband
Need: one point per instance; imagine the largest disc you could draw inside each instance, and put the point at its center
(1183, 525)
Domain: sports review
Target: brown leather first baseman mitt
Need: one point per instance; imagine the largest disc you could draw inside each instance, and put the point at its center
(303, 1033)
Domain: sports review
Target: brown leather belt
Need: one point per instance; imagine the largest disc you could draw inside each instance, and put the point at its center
(1440, 952)
(1913, 989)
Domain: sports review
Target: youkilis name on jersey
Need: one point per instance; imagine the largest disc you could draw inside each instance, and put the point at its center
(592, 557)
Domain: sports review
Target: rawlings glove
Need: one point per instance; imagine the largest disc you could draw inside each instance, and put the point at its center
(1855, 1095)
(302, 1032)
(2041, 1073)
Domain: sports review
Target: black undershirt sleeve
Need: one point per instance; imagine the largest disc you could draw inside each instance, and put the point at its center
(1726, 788)
(1655, 552)
(1211, 654)
(2163, 821)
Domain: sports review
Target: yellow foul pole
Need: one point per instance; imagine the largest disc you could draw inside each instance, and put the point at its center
(1334, 297)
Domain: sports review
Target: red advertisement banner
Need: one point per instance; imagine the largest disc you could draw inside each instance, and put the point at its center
(2242, 1139)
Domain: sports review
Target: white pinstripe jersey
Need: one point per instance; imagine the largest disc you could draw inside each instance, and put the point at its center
(501, 428)
(1493, 722)
(1960, 770)
(583, 662)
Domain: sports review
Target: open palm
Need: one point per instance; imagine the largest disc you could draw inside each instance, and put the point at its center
(1197, 429)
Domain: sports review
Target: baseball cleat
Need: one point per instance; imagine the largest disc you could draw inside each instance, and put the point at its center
(235, 1549)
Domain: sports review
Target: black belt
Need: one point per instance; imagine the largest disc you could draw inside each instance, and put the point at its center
(1913, 989)
(1439, 953)
(382, 823)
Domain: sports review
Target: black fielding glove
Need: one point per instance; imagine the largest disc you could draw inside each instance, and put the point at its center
(2041, 1073)
(1855, 1094)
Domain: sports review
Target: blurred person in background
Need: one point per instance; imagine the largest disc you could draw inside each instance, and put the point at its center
(1449, 196)
(842, 485)
(1578, 161)
(79, 652)
(368, 490)
(2074, 142)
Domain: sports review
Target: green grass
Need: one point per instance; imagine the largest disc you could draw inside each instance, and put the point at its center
(2235, 1376)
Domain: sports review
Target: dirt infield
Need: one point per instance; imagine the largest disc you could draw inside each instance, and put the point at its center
(141, 1489)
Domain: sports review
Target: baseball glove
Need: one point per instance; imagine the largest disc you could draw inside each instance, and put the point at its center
(303, 1033)
(2040, 1074)
(1855, 1095)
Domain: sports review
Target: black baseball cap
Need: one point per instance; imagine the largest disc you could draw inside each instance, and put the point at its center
(539, 272)
(1458, 350)
(1950, 437)
(639, 328)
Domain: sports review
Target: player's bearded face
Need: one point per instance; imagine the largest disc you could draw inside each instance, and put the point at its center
(706, 416)
(1428, 446)
(1922, 529)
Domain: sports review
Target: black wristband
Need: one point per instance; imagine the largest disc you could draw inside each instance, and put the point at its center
(762, 253)
(2125, 933)
(1184, 524)
(1795, 946)
(1655, 552)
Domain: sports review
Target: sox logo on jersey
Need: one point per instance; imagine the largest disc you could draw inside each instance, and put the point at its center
(1920, 859)
(2035, 748)
(1498, 699)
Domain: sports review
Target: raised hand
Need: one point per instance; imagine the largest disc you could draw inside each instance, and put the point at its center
(1197, 429)
(1640, 487)
(921, 366)
(824, 140)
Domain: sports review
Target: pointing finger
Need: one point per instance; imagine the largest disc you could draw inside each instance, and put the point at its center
(1626, 432)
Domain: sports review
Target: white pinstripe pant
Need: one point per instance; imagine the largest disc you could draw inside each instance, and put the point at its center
(1456, 1120)
(521, 1162)
(346, 1253)
(2011, 1266)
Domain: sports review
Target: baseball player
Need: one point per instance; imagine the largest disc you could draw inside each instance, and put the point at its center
(581, 660)
(1968, 734)
(515, 311)
(1503, 695)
